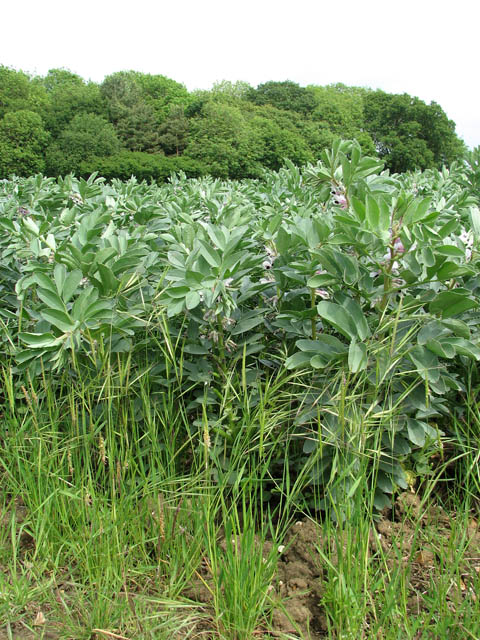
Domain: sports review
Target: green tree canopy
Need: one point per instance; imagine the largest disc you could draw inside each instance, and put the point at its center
(23, 140)
(59, 77)
(233, 129)
(20, 92)
(162, 94)
(131, 113)
(340, 108)
(87, 135)
(121, 93)
(233, 91)
(408, 133)
(138, 129)
(219, 139)
(173, 131)
(285, 95)
(238, 140)
(68, 96)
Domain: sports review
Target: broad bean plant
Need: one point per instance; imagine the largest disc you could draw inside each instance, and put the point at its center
(337, 271)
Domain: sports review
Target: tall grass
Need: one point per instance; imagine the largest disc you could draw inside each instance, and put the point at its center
(128, 512)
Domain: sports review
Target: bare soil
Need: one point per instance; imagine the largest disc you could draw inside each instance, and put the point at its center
(408, 535)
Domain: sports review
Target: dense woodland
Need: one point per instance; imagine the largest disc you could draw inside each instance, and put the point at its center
(150, 126)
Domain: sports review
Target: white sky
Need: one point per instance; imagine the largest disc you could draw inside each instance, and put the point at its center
(427, 48)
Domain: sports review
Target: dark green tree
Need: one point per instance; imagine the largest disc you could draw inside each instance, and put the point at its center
(144, 166)
(86, 136)
(132, 115)
(174, 131)
(408, 133)
(138, 129)
(286, 95)
(23, 140)
(60, 77)
(121, 93)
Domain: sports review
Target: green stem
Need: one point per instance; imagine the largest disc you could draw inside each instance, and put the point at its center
(387, 277)
(221, 345)
(314, 318)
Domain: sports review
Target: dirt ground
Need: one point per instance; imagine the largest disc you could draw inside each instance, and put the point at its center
(402, 535)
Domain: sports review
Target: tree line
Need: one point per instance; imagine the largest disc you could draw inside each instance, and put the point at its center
(150, 125)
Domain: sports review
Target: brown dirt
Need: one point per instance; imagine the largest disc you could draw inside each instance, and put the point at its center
(412, 538)
(408, 535)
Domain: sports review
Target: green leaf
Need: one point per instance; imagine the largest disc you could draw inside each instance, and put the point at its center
(24, 356)
(324, 344)
(81, 303)
(358, 317)
(51, 299)
(31, 225)
(380, 500)
(177, 292)
(99, 310)
(193, 278)
(109, 281)
(449, 250)
(452, 303)
(45, 282)
(245, 324)
(377, 215)
(321, 280)
(431, 331)
(176, 259)
(175, 307)
(458, 327)
(39, 340)
(338, 317)
(59, 275)
(319, 362)
(357, 356)
(416, 432)
(401, 446)
(358, 207)
(441, 348)
(192, 299)
(447, 271)
(464, 347)
(196, 349)
(428, 258)
(448, 228)
(372, 213)
(209, 254)
(297, 360)
(416, 211)
(384, 482)
(426, 363)
(475, 220)
(309, 445)
(7, 224)
(59, 319)
(71, 284)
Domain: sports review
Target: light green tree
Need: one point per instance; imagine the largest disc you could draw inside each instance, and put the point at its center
(68, 96)
(19, 92)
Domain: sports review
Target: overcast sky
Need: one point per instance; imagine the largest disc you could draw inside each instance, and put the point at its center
(427, 48)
